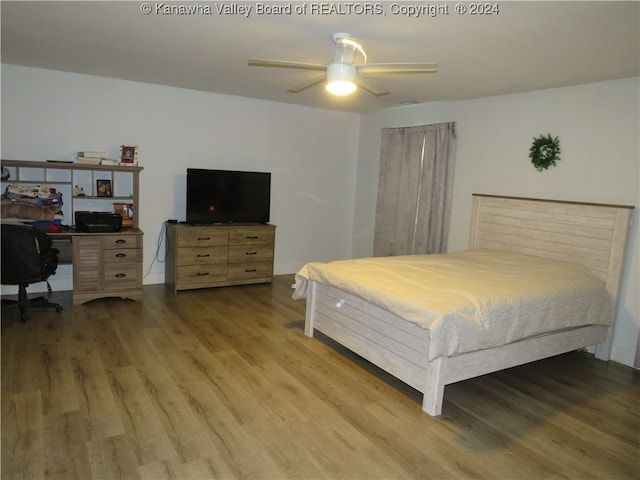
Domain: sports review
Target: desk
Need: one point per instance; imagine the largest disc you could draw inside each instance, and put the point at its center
(104, 264)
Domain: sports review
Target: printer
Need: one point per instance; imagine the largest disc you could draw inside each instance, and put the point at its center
(98, 222)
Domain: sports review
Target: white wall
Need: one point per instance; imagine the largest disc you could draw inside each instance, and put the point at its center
(310, 152)
(317, 156)
(598, 126)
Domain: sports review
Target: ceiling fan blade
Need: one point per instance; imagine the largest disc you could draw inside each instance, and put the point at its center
(384, 68)
(372, 87)
(263, 62)
(309, 82)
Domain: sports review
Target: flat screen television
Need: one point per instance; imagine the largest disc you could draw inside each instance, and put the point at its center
(226, 196)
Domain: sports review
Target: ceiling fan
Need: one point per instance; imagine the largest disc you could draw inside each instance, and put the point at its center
(343, 74)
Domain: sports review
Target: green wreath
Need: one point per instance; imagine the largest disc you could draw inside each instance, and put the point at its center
(544, 152)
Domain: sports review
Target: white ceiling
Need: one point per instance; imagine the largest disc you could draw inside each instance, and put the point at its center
(526, 46)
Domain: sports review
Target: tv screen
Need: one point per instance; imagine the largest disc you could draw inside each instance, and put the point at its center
(225, 196)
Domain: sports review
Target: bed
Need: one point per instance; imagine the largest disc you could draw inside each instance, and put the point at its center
(427, 347)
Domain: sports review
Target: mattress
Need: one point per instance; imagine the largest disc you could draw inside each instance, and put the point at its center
(474, 299)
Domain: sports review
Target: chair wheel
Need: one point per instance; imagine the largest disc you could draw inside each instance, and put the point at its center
(59, 309)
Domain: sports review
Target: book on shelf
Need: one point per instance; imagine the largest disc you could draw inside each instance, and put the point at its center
(93, 154)
(110, 161)
(89, 160)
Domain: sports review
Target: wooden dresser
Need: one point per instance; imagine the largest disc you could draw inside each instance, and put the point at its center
(218, 255)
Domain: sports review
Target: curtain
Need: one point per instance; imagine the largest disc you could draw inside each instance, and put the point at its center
(415, 189)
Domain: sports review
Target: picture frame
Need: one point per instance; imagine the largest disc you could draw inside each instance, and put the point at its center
(129, 155)
(103, 188)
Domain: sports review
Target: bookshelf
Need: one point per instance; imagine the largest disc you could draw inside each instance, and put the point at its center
(64, 177)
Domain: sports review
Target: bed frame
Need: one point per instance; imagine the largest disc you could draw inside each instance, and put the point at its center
(592, 234)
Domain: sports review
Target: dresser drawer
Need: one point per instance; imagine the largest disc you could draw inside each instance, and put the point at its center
(250, 271)
(121, 241)
(122, 255)
(250, 253)
(202, 237)
(200, 275)
(201, 255)
(121, 276)
(252, 236)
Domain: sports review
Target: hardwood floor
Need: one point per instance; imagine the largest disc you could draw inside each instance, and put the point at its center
(222, 383)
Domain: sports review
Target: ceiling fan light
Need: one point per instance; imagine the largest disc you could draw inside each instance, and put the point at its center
(341, 87)
(341, 79)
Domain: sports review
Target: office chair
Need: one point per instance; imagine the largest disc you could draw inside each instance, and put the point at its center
(27, 258)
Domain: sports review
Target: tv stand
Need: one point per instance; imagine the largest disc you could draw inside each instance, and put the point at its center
(204, 256)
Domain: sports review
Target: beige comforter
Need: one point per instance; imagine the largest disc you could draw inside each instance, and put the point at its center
(474, 299)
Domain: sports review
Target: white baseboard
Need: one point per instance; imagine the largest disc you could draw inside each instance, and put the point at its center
(153, 278)
(623, 355)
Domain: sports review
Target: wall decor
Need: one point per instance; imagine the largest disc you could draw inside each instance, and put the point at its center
(545, 152)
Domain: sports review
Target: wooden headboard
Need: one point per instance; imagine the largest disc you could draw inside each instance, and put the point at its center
(592, 234)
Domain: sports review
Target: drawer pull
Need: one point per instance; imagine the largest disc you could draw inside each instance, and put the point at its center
(251, 253)
(121, 241)
(121, 275)
(202, 274)
(249, 270)
(204, 238)
(121, 255)
(203, 255)
(255, 237)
